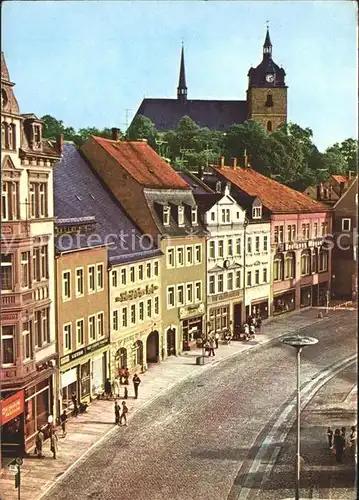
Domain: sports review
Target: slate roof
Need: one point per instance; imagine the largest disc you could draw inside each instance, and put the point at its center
(214, 114)
(206, 201)
(142, 163)
(195, 184)
(79, 193)
(274, 196)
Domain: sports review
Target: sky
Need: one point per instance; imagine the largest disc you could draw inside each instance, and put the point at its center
(91, 63)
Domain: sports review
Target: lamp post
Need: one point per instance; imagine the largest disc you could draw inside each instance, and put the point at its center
(299, 342)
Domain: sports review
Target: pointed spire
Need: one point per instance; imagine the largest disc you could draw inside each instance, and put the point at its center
(4, 70)
(182, 87)
(267, 47)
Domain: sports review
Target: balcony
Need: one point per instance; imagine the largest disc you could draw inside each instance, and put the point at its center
(20, 300)
(15, 229)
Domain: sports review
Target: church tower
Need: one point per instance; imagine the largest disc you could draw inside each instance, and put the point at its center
(182, 87)
(267, 92)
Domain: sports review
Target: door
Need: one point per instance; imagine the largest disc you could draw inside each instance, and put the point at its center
(237, 317)
(171, 342)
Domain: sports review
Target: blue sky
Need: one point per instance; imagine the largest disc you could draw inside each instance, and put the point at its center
(87, 62)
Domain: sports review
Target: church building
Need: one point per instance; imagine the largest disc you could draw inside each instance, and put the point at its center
(266, 101)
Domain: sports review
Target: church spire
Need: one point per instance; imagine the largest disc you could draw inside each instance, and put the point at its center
(182, 88)
(267, 47)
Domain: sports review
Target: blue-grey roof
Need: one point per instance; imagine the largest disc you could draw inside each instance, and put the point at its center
(79, 194)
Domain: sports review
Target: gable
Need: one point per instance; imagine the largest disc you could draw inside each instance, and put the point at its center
(7, 163)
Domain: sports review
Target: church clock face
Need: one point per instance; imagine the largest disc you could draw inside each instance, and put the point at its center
(270, 78)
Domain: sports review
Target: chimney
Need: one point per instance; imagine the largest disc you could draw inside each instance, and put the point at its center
(115, 133)
(245, 159)
(221, 162)
(319, 193)
(234, 162)
(60, 143)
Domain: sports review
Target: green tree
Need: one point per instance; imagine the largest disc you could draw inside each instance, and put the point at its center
(142, 128)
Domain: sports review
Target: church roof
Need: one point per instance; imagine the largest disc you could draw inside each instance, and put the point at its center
(214, 114)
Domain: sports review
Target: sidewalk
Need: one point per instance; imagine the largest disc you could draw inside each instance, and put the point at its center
(86, 431)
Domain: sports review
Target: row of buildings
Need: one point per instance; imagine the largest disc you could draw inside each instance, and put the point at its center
(111, 259)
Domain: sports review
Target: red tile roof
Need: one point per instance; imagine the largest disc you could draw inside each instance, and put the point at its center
(275, 196)
(143, 164)
(340, 178)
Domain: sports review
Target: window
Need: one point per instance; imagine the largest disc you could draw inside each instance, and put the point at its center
(133, 314)
(36, 265)
(230, 281)
(67, 337)
(141, 311)
(230, 247)
(269, 104)
(132, 274)
(180, 295)
(281, 234)
(346, 223)
(166, 215)
(305, 231)
(265, 243)
(157, 305)
(10, 201)
(38, 199)
(220, 248)
(25, 269)
(198, 286)
(226, 215)
(256, 212)
(99, 276)
(170, 257)
(220, 283)
(212, 249)
(91, 278)
(189, 288)
(278, 234)
(189, 251)
(249, 278)
(213, 216)
(170, 296)
(79, 281)
(180, 256)
(6, 272)
(257, 244)
(278, 268)
(66, 285)
(45, 325)
(323, 260)
(289, 265)
(194, 219)
(155, 269)
(305, 263)
(238, 279)
(37, 134)
(114, 278)
(92, 328)
(212, 287)
(265, 276)
(43, 199)
(315, 230)
(100, 324)
(8, 345)
(238, 246)
(32, 195)
(148, 270)
(124, 317)
(324, 228)
(123, 276)
(44, 262)
(115, 320)
(180, 215)
(249, 245)
(256, 277)
(198, 254)
(80, 331)
(149, 308)
(314, 263)
(27, 340)
(140, 272)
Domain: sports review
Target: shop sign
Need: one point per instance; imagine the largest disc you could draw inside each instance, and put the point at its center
(96, 345)
(185, 312)
(84, 350)
(11, 407)
(136, 293)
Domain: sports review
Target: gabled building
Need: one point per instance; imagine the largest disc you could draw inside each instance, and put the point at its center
(162, 205)
(330, 191)
(28, 341)
(266, 101)
(345, 239)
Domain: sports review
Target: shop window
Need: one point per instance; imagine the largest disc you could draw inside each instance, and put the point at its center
(8, 355)
(7, 280)
(85, 380)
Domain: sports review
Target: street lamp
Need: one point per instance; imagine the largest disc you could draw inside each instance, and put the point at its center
(298, 342)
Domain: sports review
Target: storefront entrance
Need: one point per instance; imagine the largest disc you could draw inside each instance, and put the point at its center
(260, 309)
(284, 302)
(306, 296)
(192, 330)
(12, 424)
(137, 353)
(171, 342)
(153, 347)
(237, 317)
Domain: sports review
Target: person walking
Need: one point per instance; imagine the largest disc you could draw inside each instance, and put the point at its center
(108, 389)
(342, 432)
(330, 437)
(259, 323)
(339, 446)
(216, 339)
(353, 441)
(63, 420)
(117, 413)
(39, 442)
(127, 375)
(74, 402)
(124, 413)
(53, 443)
(136, 382)
(212, 346)
(246, 331)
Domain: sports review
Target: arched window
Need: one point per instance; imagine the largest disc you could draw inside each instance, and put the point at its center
(278, 267)
(269, 126)
(269, 101)
(3, 136)
(305, 263)
(290, 265)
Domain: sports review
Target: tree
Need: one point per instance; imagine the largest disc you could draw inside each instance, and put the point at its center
(142, 128)
(53, 128)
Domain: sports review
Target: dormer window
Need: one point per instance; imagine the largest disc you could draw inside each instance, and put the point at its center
(194, 216)
(181, 215)
(257, 209)
(166, 215)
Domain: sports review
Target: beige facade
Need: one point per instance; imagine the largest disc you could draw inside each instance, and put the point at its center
(271, 117)
(82, 323)
(135, 315)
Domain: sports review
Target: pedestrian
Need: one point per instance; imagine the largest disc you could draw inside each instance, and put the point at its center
(136, 382)
(124, 413)
(108, 389)
(330, 437)
(125, 396)
(39, 442)
(121, 374)
(259, 323)
(246, 331)
(252, 330)
(339, 445)
(74, 402)
(50, 422)
(127, 375)
(353, 436)
(216, 338)
(211, 347)
(342, 432)
(117, 389)
(53, 443)
(207, 346)
(117, 413)
(63, 420)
